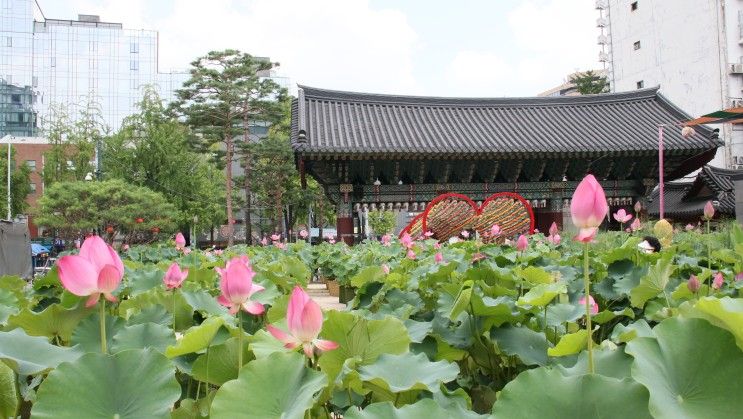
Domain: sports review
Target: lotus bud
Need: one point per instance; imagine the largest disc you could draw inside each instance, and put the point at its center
(588, 208)
(709, 210)
(638, 207)
(411, 254)
(718, 281)
(465, 234)
(553, 229)
(180, 241)
(693, 284)
(439, 257)
(385, 269)
(739, 277)
(522, 243)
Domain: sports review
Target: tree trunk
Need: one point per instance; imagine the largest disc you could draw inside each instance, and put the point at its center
(228, 186)
(320, 219)
(247, 184)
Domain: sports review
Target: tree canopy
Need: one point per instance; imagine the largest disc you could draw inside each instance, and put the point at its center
(77, 207)
(589, 83)
(152, 150)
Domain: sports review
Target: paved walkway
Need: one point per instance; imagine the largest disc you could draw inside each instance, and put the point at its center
(319, 293)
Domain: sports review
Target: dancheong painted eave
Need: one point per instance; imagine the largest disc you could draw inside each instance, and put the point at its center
(329, 123)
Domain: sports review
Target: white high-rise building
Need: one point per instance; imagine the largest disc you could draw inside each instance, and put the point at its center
(692, 49)
(75, 62)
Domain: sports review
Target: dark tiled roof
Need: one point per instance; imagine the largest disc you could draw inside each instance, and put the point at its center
(687, 200)
(335, 122)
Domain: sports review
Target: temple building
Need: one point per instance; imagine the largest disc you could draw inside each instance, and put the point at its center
(373, 151)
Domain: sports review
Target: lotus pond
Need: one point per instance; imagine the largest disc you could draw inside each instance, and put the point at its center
(463, 330)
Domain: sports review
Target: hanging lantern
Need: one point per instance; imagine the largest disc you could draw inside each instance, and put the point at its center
(139, 220)
(155, 230)
(110, 230)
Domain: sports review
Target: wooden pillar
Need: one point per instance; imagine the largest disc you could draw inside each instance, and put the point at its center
(344, 223)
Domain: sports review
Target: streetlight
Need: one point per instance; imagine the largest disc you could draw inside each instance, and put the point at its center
(9, 138)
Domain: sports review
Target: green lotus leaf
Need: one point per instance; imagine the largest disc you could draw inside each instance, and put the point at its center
(622, 333)
(725, 312)
(366, 275)
(360, 337)
(143, 280)
(570, 344)
(279, 386)
(418, 330)
(87, 334)
(426, 408)
(8, 392)
(461, 300)
(140, 336)
(53, 321)
(530, 346)
(196, 338)
(29, 355)
(654, 282)
(204, 302)
(542, 294)
(219, 364)
(559, 314)
(547, 393)
(8, 305)
(609, 362)
(398, 373)
(608, 315)
(152, 314)
(263, 344)
(535, 275)
(132, 384)
(689, 368)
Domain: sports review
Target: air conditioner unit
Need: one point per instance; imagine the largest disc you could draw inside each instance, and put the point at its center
(603, 57)
(603, 40)
(738, 160)
(602, 22)
(601, 4)
(736, 68)
(738, 167)
(736, 103)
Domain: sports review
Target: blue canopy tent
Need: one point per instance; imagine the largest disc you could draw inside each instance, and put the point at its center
(37, 249)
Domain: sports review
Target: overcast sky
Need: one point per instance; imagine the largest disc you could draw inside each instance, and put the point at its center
(423, 47)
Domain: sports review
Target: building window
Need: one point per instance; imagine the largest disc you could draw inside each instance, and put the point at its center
(31, 165)
(35, 81)
(633, 6)
(134, 65)
(640, 84)
(33, 187)
(636, 45)
(8, 41)
(15, 98)
(134, 47)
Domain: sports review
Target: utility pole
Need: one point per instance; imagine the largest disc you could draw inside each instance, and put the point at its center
(9, 138)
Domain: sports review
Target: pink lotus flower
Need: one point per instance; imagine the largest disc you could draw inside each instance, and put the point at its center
(709, 210)
(739, 277)
(689, 227)
(406, 240)
(280, 245)
(638, 207)
(386, 240)
(465, 234)
(237, 287)
(125, 247)
(522, 243)
(437, 245)
(411, 254)
(588, 208)
(591, 302)
(438, 257)
(264, 241)
(554, 239)
(636, 225)
(180, 241)
(304, 320)
(428, 234)
(186, 250)
(553, 229)
(275, 237)
(303, 233)
(622, 216)
(718, 281)
(693, 284)
(96, 270)
(174, 276)
(385, 269)
(495, 230)
(331, 240)
(218, 252)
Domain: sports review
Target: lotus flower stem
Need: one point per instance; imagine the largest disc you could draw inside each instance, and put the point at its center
(239, 341)
(103, 326)
(173, 310)
(589, 327)
(709, 258)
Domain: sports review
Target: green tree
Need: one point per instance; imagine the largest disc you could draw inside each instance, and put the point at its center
(589, 83)
(227, 90)
(73, 143)
(381, 222)
(152, 150)
(113, 206)
(20, 183)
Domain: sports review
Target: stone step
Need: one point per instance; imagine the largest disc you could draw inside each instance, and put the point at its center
(316, 286)
(328, 302)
